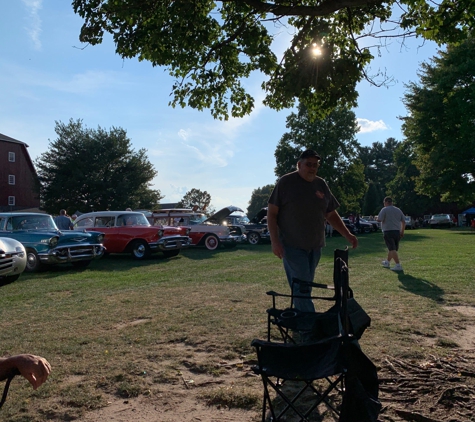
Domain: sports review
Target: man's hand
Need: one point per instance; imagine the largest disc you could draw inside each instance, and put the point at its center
(352, 239)
(34, 368)
(278, 249)
(337, 223)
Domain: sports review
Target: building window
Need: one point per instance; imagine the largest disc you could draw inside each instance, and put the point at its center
(11, 157)
(11, 200)
(11, 179)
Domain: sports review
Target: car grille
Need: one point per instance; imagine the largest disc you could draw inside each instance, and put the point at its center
(82, 251)
(6, 262)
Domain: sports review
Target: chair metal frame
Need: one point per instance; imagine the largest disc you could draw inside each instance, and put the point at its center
(306, 367)
(290, 319)
(318, 359)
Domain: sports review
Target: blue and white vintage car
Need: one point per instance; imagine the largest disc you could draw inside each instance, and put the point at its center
(46, 245)
(12, 260)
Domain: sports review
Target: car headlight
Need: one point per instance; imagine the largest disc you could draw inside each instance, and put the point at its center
(100, 238)
(160, 233)
(53, 241)
(188, 230)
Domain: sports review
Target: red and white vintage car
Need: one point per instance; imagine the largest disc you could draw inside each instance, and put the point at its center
(210, 232)
(130, 232)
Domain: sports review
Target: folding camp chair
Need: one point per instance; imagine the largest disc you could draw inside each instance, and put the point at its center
(317, 325)
(331, 348)
(304, 363)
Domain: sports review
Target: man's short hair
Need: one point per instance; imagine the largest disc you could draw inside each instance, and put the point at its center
(388, 199)
(309, 153)
(62, 212)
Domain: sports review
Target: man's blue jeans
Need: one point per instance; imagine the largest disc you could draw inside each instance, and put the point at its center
(301, 264)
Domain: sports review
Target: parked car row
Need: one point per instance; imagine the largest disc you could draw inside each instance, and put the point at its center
(32, 241)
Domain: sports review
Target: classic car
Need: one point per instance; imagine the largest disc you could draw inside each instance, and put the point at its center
(12, 260)
(207, 232)
(255, 229)
(349, 225)
(46, 245)
(374, 224)
(130, 232)
(441, 220)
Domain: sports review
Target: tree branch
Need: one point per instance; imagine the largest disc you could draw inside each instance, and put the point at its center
(327, 7)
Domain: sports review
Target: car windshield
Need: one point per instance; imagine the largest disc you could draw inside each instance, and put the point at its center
(132, 220)
(35, 222)
(408, 218)
(197, 219)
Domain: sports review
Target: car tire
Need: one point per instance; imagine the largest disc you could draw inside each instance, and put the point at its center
(211, 242)
(253, 238)
(171, 254)
(33, 263)
(81, 264)
(139, 249)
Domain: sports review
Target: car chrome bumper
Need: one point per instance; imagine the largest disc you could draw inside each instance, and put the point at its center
(169, 243)
(242, 238)
(72, 254)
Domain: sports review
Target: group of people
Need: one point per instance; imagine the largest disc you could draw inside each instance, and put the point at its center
(64, 222)
(300, 211)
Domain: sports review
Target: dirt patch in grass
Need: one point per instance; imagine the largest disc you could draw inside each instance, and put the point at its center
(122, 325)
(200, 387)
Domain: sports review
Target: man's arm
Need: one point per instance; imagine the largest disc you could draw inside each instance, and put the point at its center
(34, 368)
(335, 220)
(403, 226)
(272, 213)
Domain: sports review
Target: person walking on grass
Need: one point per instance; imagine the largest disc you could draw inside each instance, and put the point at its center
(393, 225)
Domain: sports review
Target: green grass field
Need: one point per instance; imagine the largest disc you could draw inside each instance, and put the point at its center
(107, 323)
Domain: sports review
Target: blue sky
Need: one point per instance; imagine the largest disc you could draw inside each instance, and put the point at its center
(46, 75)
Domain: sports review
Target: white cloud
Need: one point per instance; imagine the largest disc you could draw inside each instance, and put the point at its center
(184, 134)
(368, 126)
(34, 22)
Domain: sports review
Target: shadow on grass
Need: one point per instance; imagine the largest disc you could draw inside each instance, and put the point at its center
(116, 262)
(124, 262)
(421, 287)
(200, 253)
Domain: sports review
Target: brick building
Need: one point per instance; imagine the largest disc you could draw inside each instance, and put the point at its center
(18, 178)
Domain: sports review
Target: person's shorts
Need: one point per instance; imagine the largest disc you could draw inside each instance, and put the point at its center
(392, 238)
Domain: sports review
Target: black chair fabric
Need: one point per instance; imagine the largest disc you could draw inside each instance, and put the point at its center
(330, 352)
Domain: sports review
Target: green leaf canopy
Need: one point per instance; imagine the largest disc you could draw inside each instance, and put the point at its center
(86, 169)
(210, 47)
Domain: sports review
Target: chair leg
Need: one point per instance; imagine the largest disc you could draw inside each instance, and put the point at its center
(323, 397)
(289, 402)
